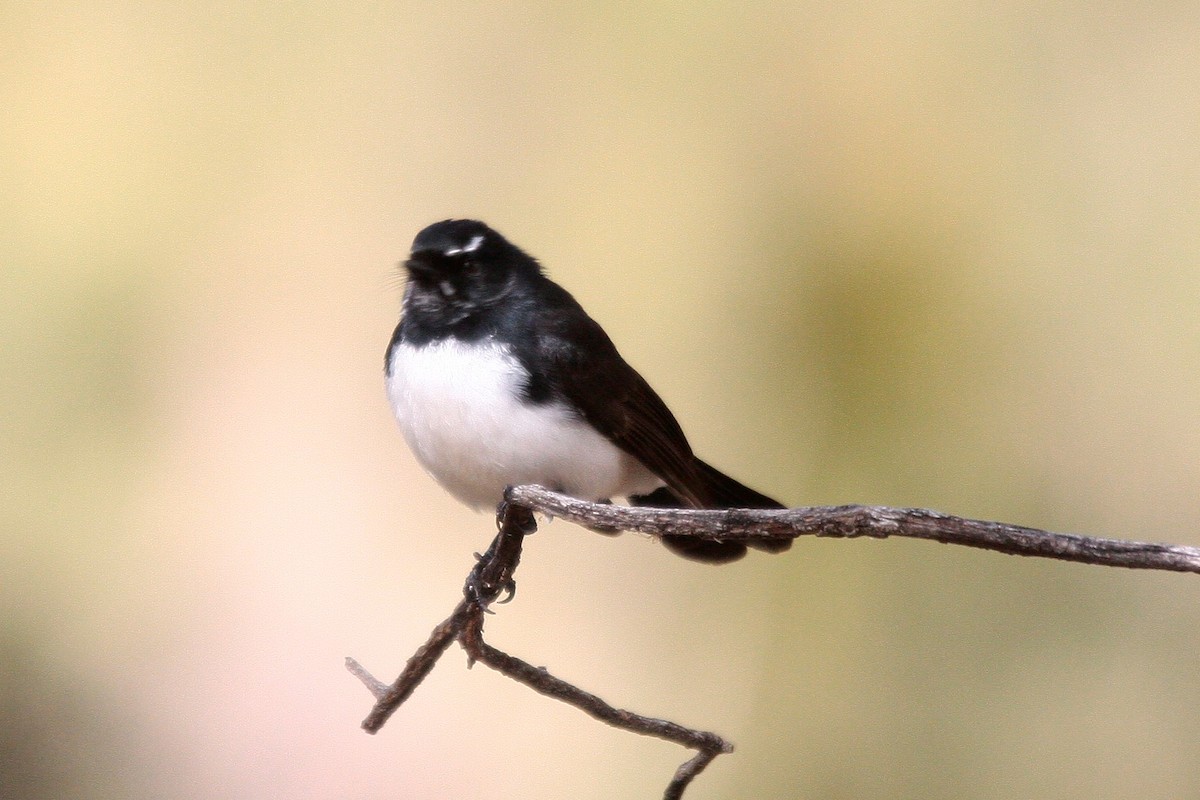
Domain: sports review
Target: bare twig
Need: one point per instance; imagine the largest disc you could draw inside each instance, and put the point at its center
(389, 698)
(708, 745)
(493, 576)
(872, 521)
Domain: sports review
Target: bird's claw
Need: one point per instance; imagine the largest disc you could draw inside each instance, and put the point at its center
(509, 590)
(483, 592)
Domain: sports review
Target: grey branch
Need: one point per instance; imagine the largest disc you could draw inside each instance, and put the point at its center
(493, 577)
(877, 522)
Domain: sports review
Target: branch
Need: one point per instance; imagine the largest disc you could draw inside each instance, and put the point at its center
(493, 577)
(708, 745)
(877, 522)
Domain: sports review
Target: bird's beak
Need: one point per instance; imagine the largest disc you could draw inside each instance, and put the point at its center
(419, 267)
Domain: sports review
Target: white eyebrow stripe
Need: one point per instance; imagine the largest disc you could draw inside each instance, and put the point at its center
(471, 246)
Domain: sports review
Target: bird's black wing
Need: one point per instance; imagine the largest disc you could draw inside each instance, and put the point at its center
(572, 358)
(575, 359)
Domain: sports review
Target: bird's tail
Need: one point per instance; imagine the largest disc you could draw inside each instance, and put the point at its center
(715, 490)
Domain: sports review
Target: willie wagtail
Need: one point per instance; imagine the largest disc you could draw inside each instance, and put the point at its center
(499, 378)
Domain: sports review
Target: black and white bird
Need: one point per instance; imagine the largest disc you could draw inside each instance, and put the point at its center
(498, 377)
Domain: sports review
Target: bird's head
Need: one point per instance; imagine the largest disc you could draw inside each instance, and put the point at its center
(459, 266)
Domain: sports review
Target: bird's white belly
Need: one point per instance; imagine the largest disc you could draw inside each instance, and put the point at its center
(460, 408)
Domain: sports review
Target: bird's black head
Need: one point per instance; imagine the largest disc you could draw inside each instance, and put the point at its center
(459, 267)
(452, 237)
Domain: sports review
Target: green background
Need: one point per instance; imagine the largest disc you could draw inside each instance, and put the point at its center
(926, 254)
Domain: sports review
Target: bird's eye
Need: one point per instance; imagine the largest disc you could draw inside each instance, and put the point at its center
(471, 268)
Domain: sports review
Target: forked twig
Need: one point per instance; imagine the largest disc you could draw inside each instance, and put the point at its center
(493, 576)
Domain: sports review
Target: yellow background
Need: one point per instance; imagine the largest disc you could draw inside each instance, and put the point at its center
(932, 254)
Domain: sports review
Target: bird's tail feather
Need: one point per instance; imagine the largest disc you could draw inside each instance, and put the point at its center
(716, 490)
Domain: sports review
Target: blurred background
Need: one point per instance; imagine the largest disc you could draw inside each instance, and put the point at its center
(931, 254)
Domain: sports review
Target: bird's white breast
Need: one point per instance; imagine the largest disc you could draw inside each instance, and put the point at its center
(460, 408)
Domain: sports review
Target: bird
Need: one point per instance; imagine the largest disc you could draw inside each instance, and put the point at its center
(498, 377)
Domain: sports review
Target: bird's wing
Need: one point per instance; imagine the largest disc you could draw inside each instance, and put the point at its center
(578, 361)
